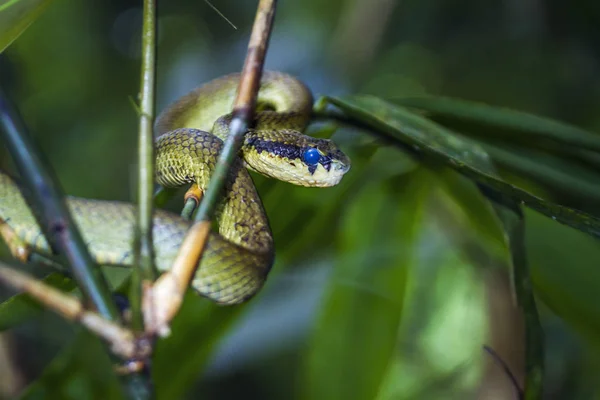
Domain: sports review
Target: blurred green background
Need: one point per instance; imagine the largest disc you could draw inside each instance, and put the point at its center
(387, 286)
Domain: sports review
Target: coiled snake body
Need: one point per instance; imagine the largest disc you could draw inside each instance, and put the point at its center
(238, 258)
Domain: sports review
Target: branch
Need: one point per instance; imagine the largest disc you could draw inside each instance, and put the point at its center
(170, 287)
(44, 196)
(122, 341)
(145, 271)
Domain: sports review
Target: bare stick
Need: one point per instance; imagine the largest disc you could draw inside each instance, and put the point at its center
(17, 247)
(122, 341)
(170, 287)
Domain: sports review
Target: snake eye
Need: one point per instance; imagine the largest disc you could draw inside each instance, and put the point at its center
(311, 156)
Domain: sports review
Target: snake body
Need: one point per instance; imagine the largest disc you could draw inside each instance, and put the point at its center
(239, 256)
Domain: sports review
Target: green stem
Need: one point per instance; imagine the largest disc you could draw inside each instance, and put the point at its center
(45, 197)
(511, 216)
(188, 209)
(534, 335)
(144, 250)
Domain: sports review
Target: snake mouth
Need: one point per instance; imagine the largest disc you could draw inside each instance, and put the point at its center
(322, 176)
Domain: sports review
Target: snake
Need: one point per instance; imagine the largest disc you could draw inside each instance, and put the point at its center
(189, 137)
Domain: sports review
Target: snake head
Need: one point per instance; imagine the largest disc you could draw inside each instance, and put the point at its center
(293, 157)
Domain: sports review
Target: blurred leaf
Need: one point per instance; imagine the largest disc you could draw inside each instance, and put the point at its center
(357, 329)
(81, 371)
(535, 126)
(16, 16)
(455, 151)
(21, 307)
(196, 330)
(553, 174)
(565, 273)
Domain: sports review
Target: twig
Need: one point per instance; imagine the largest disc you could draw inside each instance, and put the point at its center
(122, 341)
(145, 271)
(192, 199)
(506, 370)
(215, 9)
(190, 253)
(45, 197)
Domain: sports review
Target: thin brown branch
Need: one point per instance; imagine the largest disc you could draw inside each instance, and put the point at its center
(18, 249)
(169, 289)
(121, 340)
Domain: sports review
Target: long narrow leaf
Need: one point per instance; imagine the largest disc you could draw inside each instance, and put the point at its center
(459, 153)
(527, 124)
(16, 16)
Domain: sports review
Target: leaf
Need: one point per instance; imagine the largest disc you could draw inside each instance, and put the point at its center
(565, 273)
(16, 16)
(21, 307)
(555, 175)
(357, 329)
(533, 125)
(443, 145)
(405, 312)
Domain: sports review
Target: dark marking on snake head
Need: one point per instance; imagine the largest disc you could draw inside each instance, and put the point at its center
(327, 151)
(284, 150)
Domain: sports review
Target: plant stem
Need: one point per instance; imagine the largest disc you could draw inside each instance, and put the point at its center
(45, 197)
(121, 340)
(144, 249)
(511, 216)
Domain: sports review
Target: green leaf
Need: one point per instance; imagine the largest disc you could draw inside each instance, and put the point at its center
(555, 175)
(357, 329)
(21, 307)
(442, 145)
(16, 16)
(533, 125)
(565, 273)
(405, 312)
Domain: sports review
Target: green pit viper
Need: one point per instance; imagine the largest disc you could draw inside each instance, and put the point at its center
(239, 256)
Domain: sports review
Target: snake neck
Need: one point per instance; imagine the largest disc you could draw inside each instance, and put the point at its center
(185, 156)
(200, 108)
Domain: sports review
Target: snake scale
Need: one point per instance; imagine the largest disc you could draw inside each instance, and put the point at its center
(190, 133)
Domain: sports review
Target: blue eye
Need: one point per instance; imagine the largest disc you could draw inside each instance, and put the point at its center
(311, 156)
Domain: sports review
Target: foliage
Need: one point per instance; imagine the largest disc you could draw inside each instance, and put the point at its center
(381, 286)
